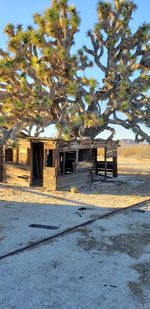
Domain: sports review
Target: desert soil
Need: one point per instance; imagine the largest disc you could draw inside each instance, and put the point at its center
(132, 186)
(104, 264)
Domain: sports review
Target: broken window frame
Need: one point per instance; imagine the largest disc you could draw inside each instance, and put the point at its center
(64, 169)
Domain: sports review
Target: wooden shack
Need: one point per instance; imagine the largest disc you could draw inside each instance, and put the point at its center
(58, 164)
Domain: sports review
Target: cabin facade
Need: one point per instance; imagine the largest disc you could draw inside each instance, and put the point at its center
(58, 164)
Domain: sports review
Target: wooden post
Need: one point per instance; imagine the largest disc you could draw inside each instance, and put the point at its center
(17, 155)
(64, 163)
(95, 160)
(1, 163)
(76, 160)
(105, 154)
(115, 167)
(31, 163)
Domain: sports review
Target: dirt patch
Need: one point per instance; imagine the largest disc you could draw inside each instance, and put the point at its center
(85, 230)
(130, 243)
(91, 243)
(88, 242)
(137, 288)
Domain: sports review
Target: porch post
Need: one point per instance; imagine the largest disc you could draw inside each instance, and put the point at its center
(105, 154)
(64, 162)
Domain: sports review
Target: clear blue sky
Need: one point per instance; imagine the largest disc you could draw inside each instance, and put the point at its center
(20, 12)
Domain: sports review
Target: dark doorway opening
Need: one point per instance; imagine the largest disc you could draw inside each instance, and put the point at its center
(37, 164)
(8, 155)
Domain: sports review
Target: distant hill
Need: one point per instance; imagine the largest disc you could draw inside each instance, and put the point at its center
(126, 141)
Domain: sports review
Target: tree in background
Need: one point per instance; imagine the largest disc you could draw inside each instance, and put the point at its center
(43, 83)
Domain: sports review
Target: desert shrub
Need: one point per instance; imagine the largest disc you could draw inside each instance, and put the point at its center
(138, 151)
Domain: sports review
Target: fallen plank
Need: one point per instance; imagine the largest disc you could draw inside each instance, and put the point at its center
(42, 226)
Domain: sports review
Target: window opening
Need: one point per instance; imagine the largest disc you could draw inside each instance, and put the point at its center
(85, 155)
(67, 162)
(49, 158)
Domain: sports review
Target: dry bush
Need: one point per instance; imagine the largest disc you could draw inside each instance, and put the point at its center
(137, 151)
(74, 190)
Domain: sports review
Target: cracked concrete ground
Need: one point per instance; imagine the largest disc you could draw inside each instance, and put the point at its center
(102, 265)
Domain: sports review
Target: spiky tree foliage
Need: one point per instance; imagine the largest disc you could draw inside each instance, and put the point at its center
(41, 81)
(38, 73)
(123, 58)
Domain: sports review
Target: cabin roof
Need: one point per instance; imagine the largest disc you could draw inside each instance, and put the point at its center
(79, 143)
(64, 141)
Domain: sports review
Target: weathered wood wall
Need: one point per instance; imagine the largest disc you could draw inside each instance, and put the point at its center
(1, 164)
(49, 178)
(78, 179)
(49, 173)
(17, 174)
(18, 171)
(22, 154)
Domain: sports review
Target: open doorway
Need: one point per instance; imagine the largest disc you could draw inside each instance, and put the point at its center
(37, 164)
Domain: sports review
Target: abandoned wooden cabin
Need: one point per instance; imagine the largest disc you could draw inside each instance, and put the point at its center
(58, 164)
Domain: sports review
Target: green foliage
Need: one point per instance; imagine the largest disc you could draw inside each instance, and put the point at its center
(77, 120)
(2, 120)
(75, 21)
(88, 99)
(66, 133)
(124, 106)
(9, 30)
(92, 83)
(72, 88)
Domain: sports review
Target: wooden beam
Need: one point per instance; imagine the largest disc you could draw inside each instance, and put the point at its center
(115, 167)
(105, 159)
(31, 164)
(95, 160)
(77, 160)
(64, 162)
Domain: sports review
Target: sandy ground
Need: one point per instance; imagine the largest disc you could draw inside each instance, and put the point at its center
(132, 186)
(105, 264)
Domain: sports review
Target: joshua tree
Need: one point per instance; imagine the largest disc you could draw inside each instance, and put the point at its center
(38, 72)
(124, 59)
(41, 81)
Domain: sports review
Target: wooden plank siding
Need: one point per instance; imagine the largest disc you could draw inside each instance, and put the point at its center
(22, 153)
(17, 174)
(49, 178)
(1, 163)
(18, 171)
(49, 173)
(77, 179)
